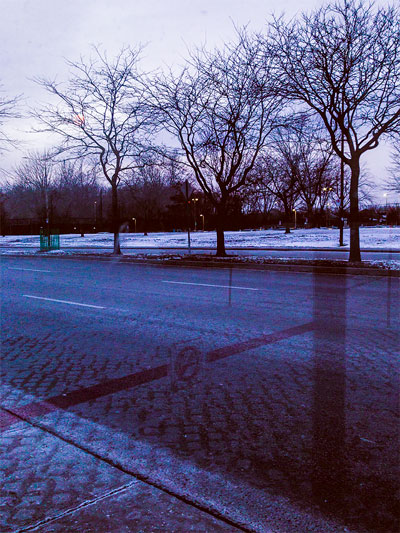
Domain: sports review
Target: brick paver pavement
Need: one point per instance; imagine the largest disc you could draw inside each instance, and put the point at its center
(229, 418)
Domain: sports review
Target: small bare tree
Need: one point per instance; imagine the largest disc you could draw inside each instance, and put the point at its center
(343, 62)
(77, 190)
(149, 193)
(304, 147)
(277, 176)
(8, 110)
(36, 174)
(100, 113)
(221, 110)
(393, 183)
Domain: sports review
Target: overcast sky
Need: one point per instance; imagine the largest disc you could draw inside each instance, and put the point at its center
(37, 36)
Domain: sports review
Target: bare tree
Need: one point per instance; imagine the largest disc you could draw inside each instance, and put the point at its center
(221, 110)
(77, 190)
(305, 150)
(36, 174)
(343, 62)
(3, 212)
(277, 176)
(8, 110)
(256, 198)
(150, 192)
(393, 183)
(100, 113)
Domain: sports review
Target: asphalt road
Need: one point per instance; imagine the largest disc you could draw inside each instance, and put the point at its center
(238, 390)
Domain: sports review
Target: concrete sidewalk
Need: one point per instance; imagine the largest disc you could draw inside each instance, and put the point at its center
(51, 485)
(54, 482)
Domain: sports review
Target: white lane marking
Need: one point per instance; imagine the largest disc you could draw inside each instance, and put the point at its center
(30, 269)
(62, 301)
(211, 285)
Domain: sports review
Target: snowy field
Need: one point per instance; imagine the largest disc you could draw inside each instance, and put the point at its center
(377, 237)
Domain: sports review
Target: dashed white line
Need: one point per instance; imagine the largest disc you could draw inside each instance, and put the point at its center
(62, 301)
(30, 269)
(211, 285)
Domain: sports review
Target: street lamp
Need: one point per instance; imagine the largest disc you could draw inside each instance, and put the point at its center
(386, 213)
(295, 218)
(327, 190)
(195, 200)
(202, 216)
(327, 214)
(134, 220)
(95, 213)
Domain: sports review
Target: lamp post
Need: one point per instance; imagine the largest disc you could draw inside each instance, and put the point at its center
(386, 210)
(295, 218)
(327, 190)
(134, 220)
(95, 215)
(195, 200)
(341, 202)
(202, 216)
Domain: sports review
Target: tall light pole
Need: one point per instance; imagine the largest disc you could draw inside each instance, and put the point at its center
(295, 218)
(327, 190)
(327, 214)
(95, 215)
(134, 220)
(195, 200)
(202, 216)
(386, 211)
(341, 204)
(341, 201)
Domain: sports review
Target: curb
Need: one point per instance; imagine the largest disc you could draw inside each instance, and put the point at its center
(317, 269)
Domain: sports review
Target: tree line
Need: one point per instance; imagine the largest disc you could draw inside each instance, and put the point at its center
(282, 117)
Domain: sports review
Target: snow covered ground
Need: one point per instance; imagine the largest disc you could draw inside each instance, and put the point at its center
(377, 237)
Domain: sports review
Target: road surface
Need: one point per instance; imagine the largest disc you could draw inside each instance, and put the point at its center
(247, 393)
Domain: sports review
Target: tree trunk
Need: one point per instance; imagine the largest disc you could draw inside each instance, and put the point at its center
(310, 216)
(220, 232)
(115, 218)
(355, 254)
(287, 220)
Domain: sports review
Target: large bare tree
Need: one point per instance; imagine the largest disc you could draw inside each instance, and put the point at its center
(343, 62)
(220, 108)
(99, 112)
